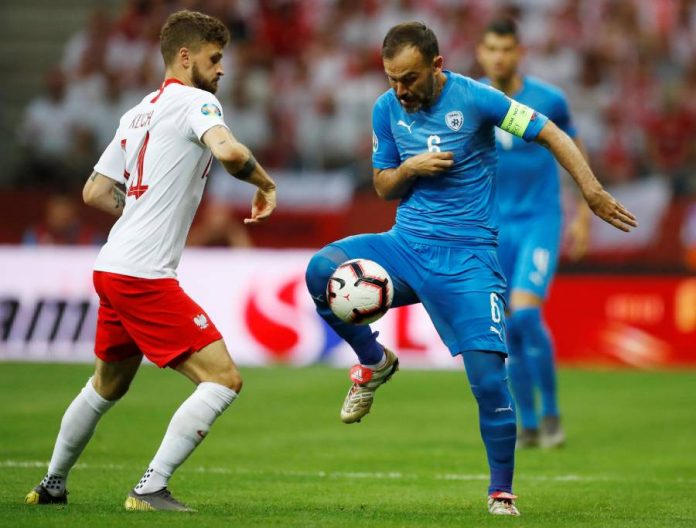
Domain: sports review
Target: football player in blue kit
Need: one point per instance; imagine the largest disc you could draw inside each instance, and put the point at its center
(531, 218)
(434, 149)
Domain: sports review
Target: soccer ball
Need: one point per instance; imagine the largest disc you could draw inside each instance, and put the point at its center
(360, 291)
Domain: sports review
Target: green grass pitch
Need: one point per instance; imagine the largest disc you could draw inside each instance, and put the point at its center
(281, 457)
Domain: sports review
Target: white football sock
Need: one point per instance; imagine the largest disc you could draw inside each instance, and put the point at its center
(380, 364)
(76, 428)
(189, 425)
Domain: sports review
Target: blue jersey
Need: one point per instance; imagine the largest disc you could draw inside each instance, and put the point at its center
(528, 181)
(458, 205)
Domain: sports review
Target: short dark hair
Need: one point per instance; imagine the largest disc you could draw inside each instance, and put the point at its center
(504, 26)
(415, 34)
(190, 29)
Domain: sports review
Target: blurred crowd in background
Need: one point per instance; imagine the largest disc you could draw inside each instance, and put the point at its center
(301, 78)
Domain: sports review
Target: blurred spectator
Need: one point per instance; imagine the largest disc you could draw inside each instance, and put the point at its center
(93, 39)
(54, 135)
(61, 225)
(688, 236)
(617, 159)
(249, 119)
(104, 118)
(670, 134)
(328, 134)
(215, 226)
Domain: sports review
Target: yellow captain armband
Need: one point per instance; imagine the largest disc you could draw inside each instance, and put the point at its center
(517, 119)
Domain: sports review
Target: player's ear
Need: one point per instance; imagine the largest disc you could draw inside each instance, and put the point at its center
(437, 63)
(185, 57)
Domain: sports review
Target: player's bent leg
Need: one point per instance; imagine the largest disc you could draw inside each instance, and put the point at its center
(218, 384)
(112, 379)
(377, 363)
(109, 383)
(361, 339)
(213, 364)
(487, 377)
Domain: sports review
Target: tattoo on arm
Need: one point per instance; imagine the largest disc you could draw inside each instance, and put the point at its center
(119, 198)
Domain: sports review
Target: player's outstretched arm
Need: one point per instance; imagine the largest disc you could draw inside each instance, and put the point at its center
(392, 184)
(104, 194)
(240, 163)
(600, 201)
(579, 227)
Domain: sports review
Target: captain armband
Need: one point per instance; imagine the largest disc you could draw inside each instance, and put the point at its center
(247, 169)
(517, 119)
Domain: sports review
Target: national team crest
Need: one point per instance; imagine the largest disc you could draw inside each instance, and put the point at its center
(201, 321)
(209, 109)
(375, 142)
(454, 120)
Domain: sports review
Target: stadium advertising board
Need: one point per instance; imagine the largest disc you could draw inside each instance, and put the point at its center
(258, 300)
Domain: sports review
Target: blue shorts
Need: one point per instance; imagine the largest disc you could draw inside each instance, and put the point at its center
(461, 288)
(528, 252)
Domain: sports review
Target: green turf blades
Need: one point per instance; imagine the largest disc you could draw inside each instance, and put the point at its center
(280, 456)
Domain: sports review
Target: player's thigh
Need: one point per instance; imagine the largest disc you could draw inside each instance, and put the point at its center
(464, 297)
(163, 321)
(389, 252)
(537, 259)
(113, 378)
(112, 342)
(212, 363)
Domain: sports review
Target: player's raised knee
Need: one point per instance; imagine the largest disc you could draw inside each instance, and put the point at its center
(319, 269)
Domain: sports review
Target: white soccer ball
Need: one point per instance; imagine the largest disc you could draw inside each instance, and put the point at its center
(360, 291)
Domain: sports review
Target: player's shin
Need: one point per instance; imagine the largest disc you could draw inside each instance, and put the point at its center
(540, 352)
(521, 372)
(487, 376)
(188, 427)
(76, 428)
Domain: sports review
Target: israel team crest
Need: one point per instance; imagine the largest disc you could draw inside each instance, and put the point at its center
(454, 120)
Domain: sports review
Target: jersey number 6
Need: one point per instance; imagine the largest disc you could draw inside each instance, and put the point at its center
(433, 142)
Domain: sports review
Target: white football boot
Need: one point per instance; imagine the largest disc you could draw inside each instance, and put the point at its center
(365, 382)
(502, 503)
(552, 433)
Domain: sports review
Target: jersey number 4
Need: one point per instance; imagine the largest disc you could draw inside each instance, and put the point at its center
(137, 188)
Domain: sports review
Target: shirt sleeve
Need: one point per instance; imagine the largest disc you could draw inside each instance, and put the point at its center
(512, 116)
(204, 112)
(112, 162)
(385, 154)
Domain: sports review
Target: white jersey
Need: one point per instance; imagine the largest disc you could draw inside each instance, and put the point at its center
(159, 156)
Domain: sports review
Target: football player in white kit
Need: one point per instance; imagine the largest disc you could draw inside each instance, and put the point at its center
(161, 155)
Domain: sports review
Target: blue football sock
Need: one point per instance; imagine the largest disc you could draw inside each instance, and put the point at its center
(521, 372)
(360, 338)
(539, 351)
(487, 377)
